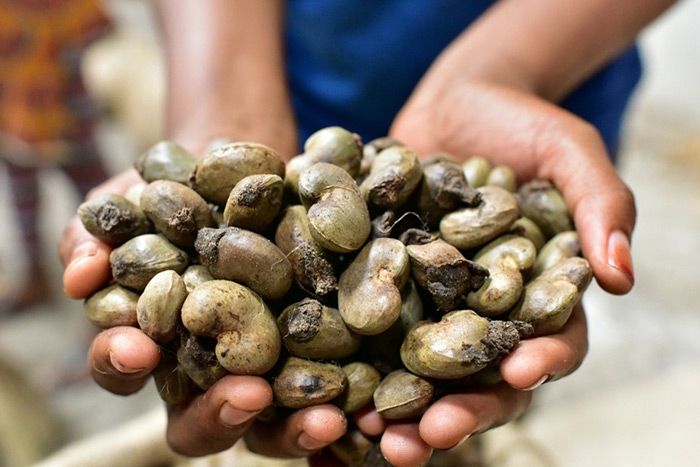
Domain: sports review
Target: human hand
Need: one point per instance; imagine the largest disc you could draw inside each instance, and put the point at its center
(121, 360)
(538, 140)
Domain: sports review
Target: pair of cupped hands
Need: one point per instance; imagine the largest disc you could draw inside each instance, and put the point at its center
(534, 137)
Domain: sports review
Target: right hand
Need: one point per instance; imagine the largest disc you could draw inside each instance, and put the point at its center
(121, 360)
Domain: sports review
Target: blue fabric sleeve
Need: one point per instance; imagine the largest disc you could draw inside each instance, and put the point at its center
(354, 63)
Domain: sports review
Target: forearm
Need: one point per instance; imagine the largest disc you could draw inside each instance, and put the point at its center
(547, 47)
(225, 72)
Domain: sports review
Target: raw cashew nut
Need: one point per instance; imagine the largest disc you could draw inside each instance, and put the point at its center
(338, 215)
(471, 227)
(334, 145)
(505, 258)
(549, 299)
(248, 341)
(369, 291)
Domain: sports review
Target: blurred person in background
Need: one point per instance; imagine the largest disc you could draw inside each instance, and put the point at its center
(47, 119)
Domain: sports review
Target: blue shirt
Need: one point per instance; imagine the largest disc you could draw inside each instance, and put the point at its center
(354, 63)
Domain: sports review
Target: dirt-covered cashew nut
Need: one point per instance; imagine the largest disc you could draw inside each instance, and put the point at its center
(443, 189)
(338, 216)
(247, 257)
(166, 160)
(158, 308)
(548, 300)
(113, 218)
(403, 395)
(254, 202)
(460, 344)
(505, 258)
(222, 168)
(372, 148)
(369, 291)
(334, 145)
(196, 355)
(310, 329)
(176, 210)
(394, 175)
(248, 340)
(542, 202)
(314, 266)
(562, 245)
(442, 270)
(471, 227)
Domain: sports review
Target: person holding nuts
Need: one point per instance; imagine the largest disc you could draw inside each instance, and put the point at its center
(540, 86)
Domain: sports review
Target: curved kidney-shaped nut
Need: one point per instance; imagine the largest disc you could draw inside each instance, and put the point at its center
(460, 344)
(369, 291)
(334, 145)
(337, 214)
(362, 379)
(247, 257)
(549, 299)
(524, 227)
(476, 169)
(505, 258)
(248, 340)
(394, 175)
(472, 227)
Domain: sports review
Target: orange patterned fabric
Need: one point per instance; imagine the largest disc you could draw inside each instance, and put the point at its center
(42, 98)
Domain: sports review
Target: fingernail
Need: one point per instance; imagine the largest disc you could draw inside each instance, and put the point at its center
(121, 368)
(84, 250)
(537, 383)
(308, 443)
(619, 255)
(231, 416)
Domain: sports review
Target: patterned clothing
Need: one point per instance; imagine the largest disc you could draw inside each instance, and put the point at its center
(44, 108)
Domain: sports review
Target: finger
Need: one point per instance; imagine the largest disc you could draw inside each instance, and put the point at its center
(214, 421)
(303, 433)
(602, 206)
(548, 358)
(402, 445)
(455, 417)
(86, 260)
(369, 421)
(122, 358)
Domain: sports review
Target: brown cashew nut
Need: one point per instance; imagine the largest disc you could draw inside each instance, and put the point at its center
(248, 340)
(549, 299)
(334, 145)
(337, 214)
(369, 291)
(472, 227)
(505, 258)
(394, 175)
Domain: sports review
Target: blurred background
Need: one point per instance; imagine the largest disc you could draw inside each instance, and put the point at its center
(633, 402)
